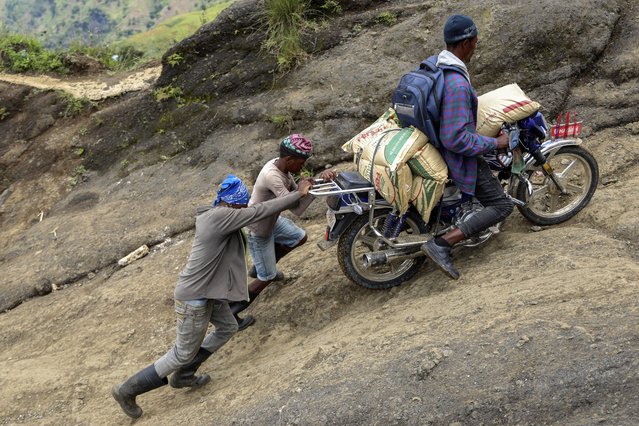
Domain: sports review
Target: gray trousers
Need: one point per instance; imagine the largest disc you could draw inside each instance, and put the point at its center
(193, 318)
(491, 195)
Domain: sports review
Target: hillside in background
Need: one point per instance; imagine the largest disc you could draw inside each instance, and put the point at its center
(157, 40)
(59, 23)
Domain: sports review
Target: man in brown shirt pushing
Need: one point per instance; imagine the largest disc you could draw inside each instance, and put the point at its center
(273, 237)
(214, 275)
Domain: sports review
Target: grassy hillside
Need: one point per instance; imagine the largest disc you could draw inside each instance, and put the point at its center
(58, 23)
(158, 39)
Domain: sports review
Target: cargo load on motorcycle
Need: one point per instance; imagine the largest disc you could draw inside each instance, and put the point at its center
(406, 169)
(401, 197)
(400, 163)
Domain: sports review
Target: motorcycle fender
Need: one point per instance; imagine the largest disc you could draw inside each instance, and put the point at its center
(342, 222)
(549, 148)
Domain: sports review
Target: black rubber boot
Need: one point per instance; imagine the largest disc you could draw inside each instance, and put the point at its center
(243, 323)
(237, 307)
(141, 382)
(185, 376)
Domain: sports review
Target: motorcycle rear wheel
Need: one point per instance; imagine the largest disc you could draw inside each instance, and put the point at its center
(578, 172)
(359, 239)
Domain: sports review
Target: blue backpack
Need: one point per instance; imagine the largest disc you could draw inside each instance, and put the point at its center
(417, 100)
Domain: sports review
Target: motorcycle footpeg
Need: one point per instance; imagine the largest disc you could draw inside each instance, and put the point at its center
(325, 245)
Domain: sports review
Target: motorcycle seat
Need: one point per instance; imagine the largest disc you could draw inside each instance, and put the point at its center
(352, 180)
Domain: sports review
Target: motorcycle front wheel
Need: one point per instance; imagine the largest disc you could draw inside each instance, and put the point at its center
(578, 173)
(359, 239)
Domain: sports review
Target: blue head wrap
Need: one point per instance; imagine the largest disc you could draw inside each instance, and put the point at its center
(232, 191)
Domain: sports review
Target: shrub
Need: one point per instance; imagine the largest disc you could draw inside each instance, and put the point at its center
(284, 121)
(174, 59)
(112, 58)
(169, 92)
(286, 21)
(332, 7)
(386, 18)
(79, 174)
(73, 105)
(20, 53)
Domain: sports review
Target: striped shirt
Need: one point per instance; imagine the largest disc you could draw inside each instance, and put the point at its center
(460, 142)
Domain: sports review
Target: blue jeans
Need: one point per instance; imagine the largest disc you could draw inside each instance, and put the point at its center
(193, 317)
(262, 249)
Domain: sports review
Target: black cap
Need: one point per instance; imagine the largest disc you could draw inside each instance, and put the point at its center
(458, 28)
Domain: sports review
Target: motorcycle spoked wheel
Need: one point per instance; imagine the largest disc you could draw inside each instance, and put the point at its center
(359, 239)
(578, 172)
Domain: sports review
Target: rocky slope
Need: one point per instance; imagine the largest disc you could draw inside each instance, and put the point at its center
(540, 329)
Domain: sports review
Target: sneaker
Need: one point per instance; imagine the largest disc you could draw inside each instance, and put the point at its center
(253, 274)
(441, 256)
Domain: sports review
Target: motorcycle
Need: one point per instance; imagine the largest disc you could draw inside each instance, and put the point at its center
(549, 180)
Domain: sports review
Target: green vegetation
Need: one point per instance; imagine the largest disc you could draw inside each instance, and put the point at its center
(79, 174)
(20, 54)
(167, 121)
(3, 113)
(284, 122)
(25, 53)
(174, 59)
(172, 92)
(162, 36)
(288, 22)
(73, 105)
(57, 23)
(332, 7)
(306, 173)
(169, 92)
(111, 57)
(97, 120)
(386, 18)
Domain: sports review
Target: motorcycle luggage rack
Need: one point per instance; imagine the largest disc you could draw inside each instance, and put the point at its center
(324, 189)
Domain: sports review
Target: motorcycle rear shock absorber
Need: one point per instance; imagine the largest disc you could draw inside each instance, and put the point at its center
(390, 223)
(399, 225)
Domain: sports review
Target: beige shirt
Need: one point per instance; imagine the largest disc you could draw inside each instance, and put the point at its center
(273, 183)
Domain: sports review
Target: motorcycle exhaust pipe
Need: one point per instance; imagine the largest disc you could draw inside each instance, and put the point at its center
(377, 258)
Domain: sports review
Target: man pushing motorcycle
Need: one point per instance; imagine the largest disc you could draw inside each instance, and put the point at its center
(462, 147)
(273, 237)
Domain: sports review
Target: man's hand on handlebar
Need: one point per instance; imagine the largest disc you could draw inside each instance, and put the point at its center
(503, 142)
(328, 175)
(304, 186)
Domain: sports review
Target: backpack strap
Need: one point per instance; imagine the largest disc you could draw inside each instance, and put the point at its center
(429, 64)
(428, 67)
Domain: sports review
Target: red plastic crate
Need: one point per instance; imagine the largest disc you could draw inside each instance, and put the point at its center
(566, 127)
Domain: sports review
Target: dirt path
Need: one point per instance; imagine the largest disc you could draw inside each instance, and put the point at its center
(89, 87)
